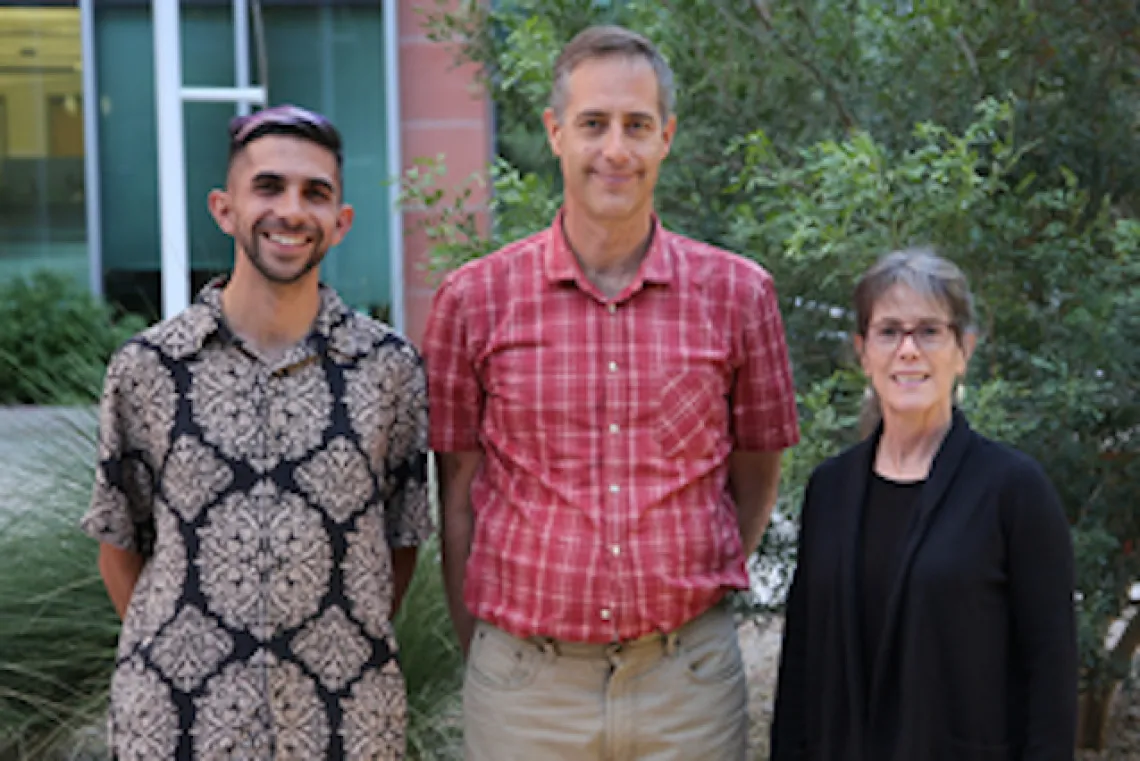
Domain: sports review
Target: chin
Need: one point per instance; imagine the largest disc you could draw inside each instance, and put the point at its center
(916, 408)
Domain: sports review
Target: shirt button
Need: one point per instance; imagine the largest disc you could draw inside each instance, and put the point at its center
(612, 308)
(613, 367)
(616, 550)
(614, 427)
(614, 488)
(605, 614)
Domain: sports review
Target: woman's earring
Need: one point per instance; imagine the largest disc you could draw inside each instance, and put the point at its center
(960, 393)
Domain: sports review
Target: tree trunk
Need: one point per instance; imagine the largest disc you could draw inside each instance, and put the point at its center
(1095, 708)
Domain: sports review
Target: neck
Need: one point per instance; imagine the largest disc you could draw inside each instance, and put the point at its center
(604, 247)
(270, 316)
(909, 443)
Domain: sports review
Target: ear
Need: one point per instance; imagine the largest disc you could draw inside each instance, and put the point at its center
(221, 209)
(553, 131)
(669, 133)
(344, 219)
(860, 352)
(969, 343)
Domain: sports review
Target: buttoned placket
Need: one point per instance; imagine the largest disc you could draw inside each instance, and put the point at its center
(268, 380)
(615, 409)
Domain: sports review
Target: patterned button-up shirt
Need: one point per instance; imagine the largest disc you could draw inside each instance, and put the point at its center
(266, 498)
(602, 508)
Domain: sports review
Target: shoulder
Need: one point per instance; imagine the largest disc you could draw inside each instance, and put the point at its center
(718, 266)
(835, 469)
(1014, 473)
(179, 336)
(526, 253)
(997, 460)
(358, 335)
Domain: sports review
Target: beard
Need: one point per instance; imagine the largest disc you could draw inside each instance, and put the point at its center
(251, 245)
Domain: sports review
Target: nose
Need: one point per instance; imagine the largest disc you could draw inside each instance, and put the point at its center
(290, 207)
(908, 346)
(616, 150)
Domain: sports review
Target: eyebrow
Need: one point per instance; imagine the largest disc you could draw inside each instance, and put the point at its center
(275, 177)
(595, 114)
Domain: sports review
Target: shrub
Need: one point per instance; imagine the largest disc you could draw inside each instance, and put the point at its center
(55, 340)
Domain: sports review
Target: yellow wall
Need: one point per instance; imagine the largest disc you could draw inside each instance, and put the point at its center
(26, 99)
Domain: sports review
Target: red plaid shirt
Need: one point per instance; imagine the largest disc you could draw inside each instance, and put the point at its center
(602, 510)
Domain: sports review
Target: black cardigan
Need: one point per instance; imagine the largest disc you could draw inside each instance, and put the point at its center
(979, 656)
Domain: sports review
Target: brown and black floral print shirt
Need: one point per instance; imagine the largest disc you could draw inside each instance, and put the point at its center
(266, 497)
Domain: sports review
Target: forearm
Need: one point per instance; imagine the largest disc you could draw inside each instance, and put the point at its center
(456, 473)
(403, 568)
(120, 570)
(754, 479)
(457, 532)
(753, 519)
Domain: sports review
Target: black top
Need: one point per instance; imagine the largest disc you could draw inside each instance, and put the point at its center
(979, 648)
(886, 517)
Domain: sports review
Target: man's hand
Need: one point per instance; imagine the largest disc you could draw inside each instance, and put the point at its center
(120, 570)
(403, 568)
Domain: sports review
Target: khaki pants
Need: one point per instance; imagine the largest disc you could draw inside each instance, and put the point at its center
(680, 697)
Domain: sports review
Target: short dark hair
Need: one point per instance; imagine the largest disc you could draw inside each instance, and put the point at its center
(287, 120)
(603, 42)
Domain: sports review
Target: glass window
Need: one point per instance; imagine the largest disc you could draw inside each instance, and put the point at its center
(42, 207)
(327, 57)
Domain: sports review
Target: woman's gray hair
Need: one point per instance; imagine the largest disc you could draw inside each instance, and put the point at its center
(927, 274)
(924, 272)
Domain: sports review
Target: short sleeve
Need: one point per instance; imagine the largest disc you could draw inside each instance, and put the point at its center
(407, 510)
(454, 390)
(121, 512)
(763, 399)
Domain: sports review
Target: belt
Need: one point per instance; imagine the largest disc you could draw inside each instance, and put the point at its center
(667, 641)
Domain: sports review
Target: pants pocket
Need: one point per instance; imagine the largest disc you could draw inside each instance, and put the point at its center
(499, 661)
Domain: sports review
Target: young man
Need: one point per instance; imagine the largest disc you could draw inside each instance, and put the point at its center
(261, 487)
(609, 403)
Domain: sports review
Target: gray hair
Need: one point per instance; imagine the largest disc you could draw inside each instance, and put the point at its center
(924, 272)
(603, 42)
(927, 274)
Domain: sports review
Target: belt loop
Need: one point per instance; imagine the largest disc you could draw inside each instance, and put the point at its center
(548, 647)
(671, 641)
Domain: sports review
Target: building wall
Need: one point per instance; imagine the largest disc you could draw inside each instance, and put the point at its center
(443, 111)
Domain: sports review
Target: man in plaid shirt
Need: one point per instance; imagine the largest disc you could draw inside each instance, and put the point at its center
(608, 401)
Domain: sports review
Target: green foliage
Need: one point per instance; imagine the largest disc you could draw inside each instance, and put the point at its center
(432, 664)
(815, 136)
(55, 340)
(521, 205)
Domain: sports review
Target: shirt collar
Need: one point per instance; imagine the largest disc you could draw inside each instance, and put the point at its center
(562, 266)
(206, 319)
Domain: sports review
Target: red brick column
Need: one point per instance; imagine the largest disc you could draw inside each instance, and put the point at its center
(443, 110)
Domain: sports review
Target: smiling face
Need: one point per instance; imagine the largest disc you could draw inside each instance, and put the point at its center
(912, 355)
(282, 206)
(610, 138)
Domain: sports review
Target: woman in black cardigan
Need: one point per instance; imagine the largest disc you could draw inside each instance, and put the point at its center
(931, 613)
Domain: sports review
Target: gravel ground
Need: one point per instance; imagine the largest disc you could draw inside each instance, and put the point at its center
(760, 644)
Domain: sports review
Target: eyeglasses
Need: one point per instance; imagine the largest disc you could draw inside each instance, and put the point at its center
(928, 336)
(286, 118)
